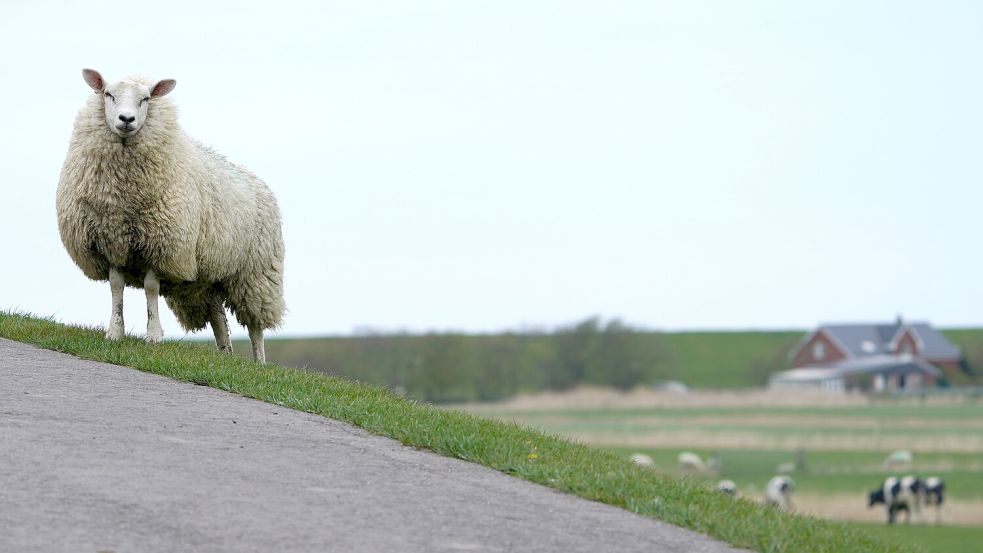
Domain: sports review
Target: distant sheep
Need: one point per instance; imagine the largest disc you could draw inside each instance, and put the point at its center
(714, 463)
(727, 487)
(690, 462)
(895, 498)
(642, 460)
(141, 204)
(778, 492)
(786, 468)
(899, 460)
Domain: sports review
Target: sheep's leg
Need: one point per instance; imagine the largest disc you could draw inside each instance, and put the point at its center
(116, 330)
(256, 337)
(220, 325)
(151, 286)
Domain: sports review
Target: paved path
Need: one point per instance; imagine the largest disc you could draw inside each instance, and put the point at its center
(96, 457)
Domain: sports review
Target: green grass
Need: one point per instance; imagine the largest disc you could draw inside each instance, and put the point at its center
(549, 460)
(728, 359)
(947, 539)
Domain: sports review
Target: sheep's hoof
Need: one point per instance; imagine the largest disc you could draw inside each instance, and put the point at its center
(225, 349)
(114, 334)
(154, 338)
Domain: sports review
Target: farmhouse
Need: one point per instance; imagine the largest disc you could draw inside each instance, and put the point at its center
(897, 356)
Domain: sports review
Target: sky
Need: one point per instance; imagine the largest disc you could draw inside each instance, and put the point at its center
(480, 166)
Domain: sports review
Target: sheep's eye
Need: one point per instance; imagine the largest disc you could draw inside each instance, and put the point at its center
(110, 96)
(145, 100)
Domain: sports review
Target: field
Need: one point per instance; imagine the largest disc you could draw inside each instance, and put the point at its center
(844, 440)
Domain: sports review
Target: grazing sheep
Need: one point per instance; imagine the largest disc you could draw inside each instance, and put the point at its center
(895, 497)
(690, 462)
(899, 460)
(142, 204)
(934, 492)
(786, 468)
(714, 463)
(778, 492)
(727, 487)
(642, 460)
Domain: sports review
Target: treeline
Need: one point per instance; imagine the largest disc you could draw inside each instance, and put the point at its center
(461, 367)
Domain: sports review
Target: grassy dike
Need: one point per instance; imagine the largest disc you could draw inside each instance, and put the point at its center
(545, 459)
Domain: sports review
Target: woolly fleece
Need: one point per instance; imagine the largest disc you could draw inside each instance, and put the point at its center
(159, 200)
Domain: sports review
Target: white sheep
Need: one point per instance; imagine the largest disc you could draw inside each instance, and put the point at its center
(778, 492)
(142, 204)
(785, 468)
(642, 460)
(690, 462)
(727, 487)
(900, 459)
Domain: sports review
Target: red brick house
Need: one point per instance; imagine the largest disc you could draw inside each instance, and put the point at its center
(877, 357)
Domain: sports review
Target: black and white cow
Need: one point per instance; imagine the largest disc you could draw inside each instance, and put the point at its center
(934, 491)
(895, 497)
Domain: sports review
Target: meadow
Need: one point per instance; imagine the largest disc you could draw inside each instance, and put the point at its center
(843, 442)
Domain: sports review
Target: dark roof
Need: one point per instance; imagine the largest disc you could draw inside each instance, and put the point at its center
(862, 340)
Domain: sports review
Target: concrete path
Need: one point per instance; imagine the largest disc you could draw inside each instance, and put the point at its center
(97, 458)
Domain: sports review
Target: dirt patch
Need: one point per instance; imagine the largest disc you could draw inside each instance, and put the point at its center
(701, 439)
(607, 398)
(854, 507)
(787, 420)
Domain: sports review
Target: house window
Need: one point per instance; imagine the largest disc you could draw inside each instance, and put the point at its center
(906, 348)
(818, 351)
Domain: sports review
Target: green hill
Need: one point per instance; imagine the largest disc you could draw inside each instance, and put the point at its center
(463, 367)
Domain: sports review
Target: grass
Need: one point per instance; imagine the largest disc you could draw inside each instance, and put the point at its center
(951, 539)
(530, 454)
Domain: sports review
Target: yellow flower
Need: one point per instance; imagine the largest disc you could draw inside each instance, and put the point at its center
(533, 456)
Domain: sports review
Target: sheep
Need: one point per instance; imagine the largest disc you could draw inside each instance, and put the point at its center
(934, 494)
(778, 492)
(140, 203)
(727, 487)
(785, 468)
(895, 497)
(690, 462)
(642, 460)
(899, 460)
(714, 463)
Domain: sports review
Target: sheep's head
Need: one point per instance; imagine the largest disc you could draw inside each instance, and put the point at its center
(126, 101)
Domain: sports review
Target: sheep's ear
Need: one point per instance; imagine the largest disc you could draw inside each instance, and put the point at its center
(94, 80)
(163, 87)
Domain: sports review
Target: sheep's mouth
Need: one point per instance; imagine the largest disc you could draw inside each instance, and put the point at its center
(125, 129)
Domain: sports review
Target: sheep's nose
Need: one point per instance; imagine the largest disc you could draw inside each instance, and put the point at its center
(127, 118)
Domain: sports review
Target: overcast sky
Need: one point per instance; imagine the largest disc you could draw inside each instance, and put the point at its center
(488, 165)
